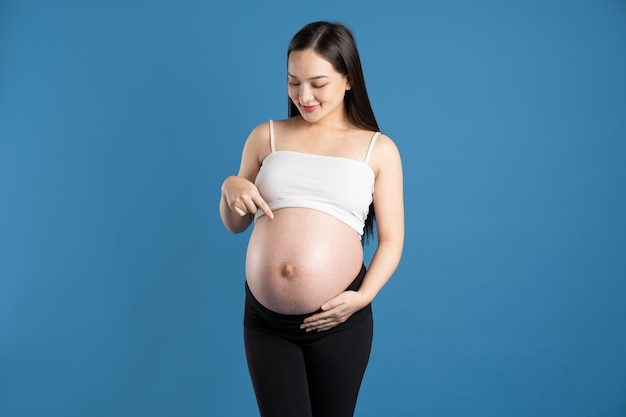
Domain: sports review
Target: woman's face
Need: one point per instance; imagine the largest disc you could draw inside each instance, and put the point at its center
(315, 87)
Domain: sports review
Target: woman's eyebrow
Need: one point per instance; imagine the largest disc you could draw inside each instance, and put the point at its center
(317, 77)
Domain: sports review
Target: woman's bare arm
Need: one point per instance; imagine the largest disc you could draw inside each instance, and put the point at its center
(240, 199)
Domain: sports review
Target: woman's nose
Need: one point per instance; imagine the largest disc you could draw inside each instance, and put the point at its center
(305, 95)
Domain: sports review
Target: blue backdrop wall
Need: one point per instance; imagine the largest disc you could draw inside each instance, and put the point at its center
(121, 292)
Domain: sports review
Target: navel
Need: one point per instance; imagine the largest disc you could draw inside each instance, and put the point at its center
(287, 270)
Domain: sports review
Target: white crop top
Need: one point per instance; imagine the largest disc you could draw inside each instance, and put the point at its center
(341, 187)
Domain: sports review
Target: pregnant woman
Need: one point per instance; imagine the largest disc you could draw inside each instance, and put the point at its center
(313, 184)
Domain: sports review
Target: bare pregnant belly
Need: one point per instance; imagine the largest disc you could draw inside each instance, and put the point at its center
(301, 259)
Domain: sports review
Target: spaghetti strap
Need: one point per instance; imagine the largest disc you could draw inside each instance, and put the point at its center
(272, 135)
(369, 150)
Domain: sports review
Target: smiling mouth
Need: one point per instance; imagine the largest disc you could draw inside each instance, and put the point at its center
(310, 109)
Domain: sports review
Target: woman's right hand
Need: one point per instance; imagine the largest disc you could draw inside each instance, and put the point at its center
(243, 197)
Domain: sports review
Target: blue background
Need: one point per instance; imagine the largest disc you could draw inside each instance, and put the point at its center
(121, 292)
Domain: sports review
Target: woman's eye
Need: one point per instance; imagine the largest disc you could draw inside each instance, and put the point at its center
(294, 84)
(319, 86)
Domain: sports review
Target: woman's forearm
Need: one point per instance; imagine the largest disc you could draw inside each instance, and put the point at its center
(384, 263)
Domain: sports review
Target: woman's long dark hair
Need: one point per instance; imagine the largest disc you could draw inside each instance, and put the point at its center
(335, 43)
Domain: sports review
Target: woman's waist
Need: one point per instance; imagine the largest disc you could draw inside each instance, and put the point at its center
(258, 316)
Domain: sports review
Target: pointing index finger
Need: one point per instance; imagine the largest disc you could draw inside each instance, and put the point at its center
(265, 207)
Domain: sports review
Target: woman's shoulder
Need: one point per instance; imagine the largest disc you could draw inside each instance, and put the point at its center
(260, 138)
(385, 142)
(385, 152)
(289, 123)
(257, 145)
(263, 129)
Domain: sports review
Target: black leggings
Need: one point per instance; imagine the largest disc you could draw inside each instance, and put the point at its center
(300, 374)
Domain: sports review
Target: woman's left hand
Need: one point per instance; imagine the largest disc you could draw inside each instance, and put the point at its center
(335, 311)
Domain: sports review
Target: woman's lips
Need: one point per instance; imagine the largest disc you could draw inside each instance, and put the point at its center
(310, 109)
